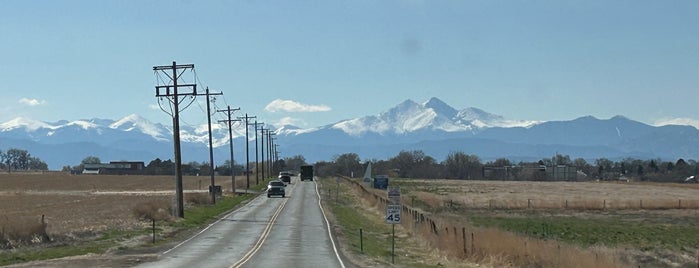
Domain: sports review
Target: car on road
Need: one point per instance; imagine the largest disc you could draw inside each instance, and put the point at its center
(285, 176)
(276, 188)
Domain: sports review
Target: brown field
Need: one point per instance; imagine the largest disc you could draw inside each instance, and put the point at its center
(83, 205)
(550, 195)
(77, 206)
(438, 211)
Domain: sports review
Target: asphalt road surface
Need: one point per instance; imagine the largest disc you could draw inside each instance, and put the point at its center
(266, 232)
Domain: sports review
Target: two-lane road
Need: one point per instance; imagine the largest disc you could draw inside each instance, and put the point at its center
(300, 237)
(266, 232)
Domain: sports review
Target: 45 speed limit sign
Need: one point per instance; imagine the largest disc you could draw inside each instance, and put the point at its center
(393, 214)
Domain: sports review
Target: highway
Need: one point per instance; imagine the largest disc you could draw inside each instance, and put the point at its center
(266, 232)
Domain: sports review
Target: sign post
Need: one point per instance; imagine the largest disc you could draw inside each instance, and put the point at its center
(393, 210)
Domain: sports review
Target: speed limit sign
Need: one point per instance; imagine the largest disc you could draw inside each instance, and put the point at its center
(393, 214)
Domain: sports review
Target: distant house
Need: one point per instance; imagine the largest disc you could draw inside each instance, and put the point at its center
(115, 168)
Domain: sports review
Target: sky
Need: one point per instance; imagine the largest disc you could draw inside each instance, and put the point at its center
(311, 63)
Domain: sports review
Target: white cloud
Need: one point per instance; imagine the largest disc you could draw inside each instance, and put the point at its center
(292, 106)
(31, 102)
(677, 121)
(289, 121)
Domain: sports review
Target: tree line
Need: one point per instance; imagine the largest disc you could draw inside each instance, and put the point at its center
(167, 167)
(20, 160)
(414, 164)
(460, 165)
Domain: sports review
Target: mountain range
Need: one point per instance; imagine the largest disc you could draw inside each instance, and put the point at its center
(432, 126)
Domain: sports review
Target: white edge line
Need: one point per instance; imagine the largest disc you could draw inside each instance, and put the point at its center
(328, 224)
(207, 227)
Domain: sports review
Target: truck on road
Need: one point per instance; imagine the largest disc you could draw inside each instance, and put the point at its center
(306, 173)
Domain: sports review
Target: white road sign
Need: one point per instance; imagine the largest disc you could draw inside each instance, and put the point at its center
(393, 195)
(393, 213)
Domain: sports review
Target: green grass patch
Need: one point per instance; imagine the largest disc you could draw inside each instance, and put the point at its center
(376, 237)
(376, 234)
(586, 232)
(45, 253)
(198, 215)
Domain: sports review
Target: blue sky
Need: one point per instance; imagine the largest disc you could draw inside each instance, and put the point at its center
(318, 62)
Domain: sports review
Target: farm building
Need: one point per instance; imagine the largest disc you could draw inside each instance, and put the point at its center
(115, 168)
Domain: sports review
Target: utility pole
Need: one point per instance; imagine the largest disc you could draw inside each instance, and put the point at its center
(270, 139)
(262, 151)
(230, 121)
(247, 149)
(174, 98)
(257, 174)
(211, 146)
(276, 154)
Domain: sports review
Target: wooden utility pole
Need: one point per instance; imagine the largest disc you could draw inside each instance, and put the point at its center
(257, 176)
(212, 189)
(262, 152)
(247, 148)
(230, 121)
(173, 95)
(270, 141)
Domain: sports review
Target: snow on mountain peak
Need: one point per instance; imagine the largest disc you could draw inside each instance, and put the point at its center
(83, 124)
(22, 122)
(440, 107)
(134, 121)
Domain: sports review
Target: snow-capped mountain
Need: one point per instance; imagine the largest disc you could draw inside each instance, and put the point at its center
(438, 129)
(129, 138)
(432, 126)
(432, 115)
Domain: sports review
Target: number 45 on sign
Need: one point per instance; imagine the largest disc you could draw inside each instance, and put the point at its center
(393, 214)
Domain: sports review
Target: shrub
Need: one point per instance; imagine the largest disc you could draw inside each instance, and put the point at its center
(22, 231)
(197, 198)
(153, 210)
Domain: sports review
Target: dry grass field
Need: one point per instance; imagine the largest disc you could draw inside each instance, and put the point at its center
(494, 223)
(78, 206)
(573, 195)
(554, 224)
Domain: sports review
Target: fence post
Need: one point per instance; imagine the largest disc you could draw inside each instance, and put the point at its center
(361, 240)
(604, 205)
(566, 203)
(529, 203)
(526, 255)
(463, 235)
(473, 245)
(153, 231)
